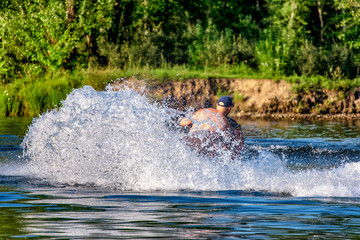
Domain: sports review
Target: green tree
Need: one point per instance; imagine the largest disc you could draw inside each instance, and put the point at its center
(33, 37)
(240, 16)
(41, 36)
(348, 23)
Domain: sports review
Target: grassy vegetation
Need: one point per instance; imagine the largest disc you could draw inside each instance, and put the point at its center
(311, 83)
(35, 94)
(32, 95)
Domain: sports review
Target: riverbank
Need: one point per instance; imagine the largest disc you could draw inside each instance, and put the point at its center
(181, 87)
(261, 98)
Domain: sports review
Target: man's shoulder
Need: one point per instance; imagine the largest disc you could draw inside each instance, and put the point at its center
(207, 112)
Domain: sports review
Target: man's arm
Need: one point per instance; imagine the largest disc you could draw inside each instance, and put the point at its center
(185, 122)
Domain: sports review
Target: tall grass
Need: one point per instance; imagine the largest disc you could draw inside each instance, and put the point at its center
(33, 95)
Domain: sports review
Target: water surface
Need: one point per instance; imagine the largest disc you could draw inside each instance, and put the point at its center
(101, 168)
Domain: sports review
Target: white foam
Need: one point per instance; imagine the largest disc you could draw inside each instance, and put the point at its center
(120, 139)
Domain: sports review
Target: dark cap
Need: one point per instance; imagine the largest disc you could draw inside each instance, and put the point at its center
(225, 101)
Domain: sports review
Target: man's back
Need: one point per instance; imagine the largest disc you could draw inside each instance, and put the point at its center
(209, 119)
(211, 130)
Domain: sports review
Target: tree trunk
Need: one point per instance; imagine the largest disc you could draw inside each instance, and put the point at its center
(321, 21)
(114, 31)
(70, 10)
(292, 19)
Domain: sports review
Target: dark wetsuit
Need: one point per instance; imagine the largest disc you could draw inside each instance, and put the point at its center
(236, 143)
(234, 125)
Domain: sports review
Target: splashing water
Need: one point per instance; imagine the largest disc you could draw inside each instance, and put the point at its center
(120, 139)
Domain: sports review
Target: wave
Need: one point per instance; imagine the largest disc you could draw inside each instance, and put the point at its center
(120, 139)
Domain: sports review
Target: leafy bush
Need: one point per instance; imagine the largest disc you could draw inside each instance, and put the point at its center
(308, 60)
(212, 48)
(341, 63)
(272, 53)
(336, 63)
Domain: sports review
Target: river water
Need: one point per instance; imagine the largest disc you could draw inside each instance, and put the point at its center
(112, 165)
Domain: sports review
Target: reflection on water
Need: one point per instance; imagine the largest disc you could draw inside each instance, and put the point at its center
(12, 211)
(81, 213)
(16, 126)
(12, 131)
(326, 130)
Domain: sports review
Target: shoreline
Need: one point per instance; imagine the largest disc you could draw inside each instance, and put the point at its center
(297, 116)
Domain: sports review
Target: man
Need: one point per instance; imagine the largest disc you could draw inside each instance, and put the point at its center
(211, 130)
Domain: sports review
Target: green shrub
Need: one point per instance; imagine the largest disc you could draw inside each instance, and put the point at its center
(336, 63)
(272, 53)
(238, 97)
(341, 63)
(212, 48)
(308, 60)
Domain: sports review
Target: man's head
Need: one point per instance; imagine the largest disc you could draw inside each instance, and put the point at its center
(224, 105)
(225, 101)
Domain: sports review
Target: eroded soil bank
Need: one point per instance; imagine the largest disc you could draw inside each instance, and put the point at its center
(260, 98)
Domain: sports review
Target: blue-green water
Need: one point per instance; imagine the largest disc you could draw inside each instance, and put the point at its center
(83, 174)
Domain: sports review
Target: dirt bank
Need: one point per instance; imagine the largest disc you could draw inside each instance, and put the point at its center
(260, 98)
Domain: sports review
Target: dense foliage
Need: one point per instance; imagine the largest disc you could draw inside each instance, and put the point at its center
(274, 37)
